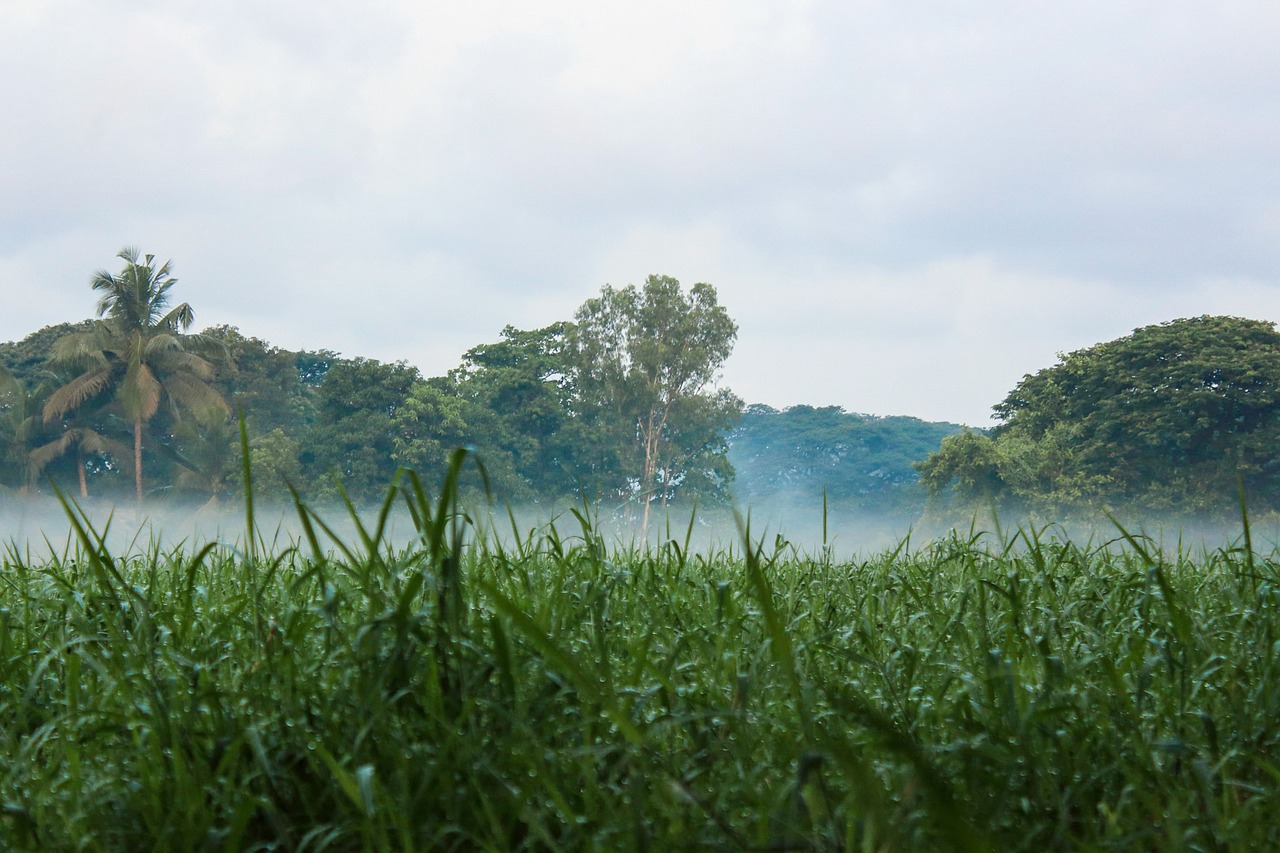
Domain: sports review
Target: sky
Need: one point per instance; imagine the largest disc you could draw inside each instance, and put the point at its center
(906, 206)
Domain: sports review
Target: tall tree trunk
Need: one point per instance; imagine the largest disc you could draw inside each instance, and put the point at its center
(652, 433)
(650, 469)
(137, 457)
(84, 485)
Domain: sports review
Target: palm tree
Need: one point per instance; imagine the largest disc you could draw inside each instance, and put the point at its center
(19, 430)
(85, 441)
(139, 350)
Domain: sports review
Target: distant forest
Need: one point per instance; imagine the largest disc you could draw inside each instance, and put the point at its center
(307, 424)
(618, 406)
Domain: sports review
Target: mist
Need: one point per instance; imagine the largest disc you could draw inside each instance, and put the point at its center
(38, 526)
(35, 528)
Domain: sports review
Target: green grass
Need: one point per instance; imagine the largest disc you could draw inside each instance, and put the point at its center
(548, 691)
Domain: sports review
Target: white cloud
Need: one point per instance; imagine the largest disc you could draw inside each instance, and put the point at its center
(905, 205)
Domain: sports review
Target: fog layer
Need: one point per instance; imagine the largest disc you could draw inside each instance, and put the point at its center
(34, 528)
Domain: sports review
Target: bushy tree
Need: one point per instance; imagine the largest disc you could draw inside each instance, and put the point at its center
(265, 382)
(1172, 417)
(353, 436)
(433, 420)
(968, 464)
(524, 382)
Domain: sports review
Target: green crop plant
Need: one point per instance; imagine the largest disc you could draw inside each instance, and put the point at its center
(548, 689)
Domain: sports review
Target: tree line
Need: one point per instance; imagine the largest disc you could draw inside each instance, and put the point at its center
(621, 404)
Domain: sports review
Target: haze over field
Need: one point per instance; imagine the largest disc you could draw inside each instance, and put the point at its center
(905, 206)
(36, 529)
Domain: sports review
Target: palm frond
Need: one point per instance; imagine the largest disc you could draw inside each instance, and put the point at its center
(79, 348)
(198, 397)
(180, 318)
(84, 387)
(181, 361)
(40, 457)
(95, 442)
(209, 348)
(104, 280)
(140, 392)
(157, 344)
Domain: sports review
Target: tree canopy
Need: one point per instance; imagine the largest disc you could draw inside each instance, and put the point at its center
(622, 405)
(1170, 418)
(621, 396)
(645, 363)
(862, 462)
(138, 353)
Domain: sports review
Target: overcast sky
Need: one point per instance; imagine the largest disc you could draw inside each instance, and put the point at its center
(905, 205)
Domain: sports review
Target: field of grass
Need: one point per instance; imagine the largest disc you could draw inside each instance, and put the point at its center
(552, 691)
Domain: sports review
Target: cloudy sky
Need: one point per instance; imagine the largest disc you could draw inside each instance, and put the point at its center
(905, 205)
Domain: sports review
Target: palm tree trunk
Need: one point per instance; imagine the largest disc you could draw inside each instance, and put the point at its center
(84, 485)
(137, 457)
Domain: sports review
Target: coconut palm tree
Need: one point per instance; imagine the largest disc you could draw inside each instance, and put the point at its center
(20, 430)
(85, 441)
(28, 444)
(139, 350)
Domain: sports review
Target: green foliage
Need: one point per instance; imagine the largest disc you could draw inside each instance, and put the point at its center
(644, 362)
(431, 421)
(1172, 418)
(551, 423)
(548, 692)
(863, 462)
(265, 382)
(275, 464)
(352, 438)
(524, 382)
(967, 463)
(138, 355)
(312, 367)
(27, 360)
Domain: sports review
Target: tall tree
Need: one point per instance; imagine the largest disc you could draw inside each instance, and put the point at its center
(140, 351)
(641, 355)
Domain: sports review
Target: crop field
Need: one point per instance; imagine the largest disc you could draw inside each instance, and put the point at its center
(550, 690)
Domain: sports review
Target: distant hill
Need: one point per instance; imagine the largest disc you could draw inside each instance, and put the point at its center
(863, 461)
